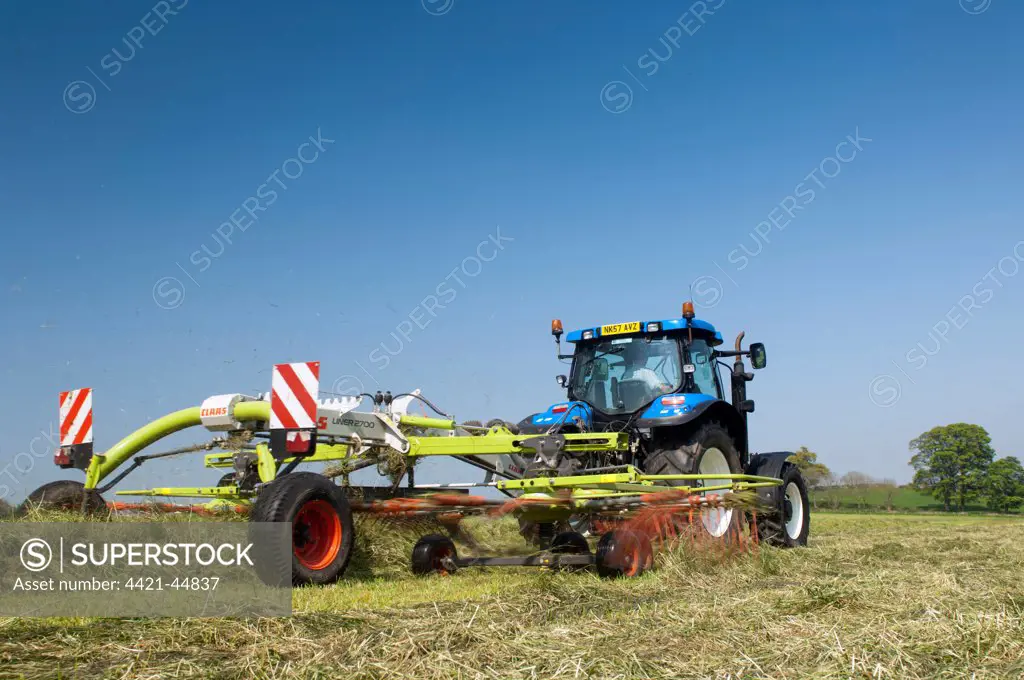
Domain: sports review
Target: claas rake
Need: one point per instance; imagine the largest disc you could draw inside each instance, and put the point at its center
(646, 450)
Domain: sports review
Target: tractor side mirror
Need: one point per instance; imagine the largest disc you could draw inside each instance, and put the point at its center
(758, 357)
(561, 380)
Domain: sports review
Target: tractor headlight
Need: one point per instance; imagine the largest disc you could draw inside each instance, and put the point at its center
(653, 327)
(588, 335)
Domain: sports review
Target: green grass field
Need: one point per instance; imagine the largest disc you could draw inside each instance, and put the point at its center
(880, 498)
(872, 597)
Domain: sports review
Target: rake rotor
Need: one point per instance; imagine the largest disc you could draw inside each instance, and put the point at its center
(666, 518)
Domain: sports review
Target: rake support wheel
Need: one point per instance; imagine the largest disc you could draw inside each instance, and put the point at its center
(623, 553)
(434, 554)
(322, 529)
(66, 494)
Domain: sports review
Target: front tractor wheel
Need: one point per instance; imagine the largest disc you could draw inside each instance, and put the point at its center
(788, 522)
(322, 529)
(708, 451)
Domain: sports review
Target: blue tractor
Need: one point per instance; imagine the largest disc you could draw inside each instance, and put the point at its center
(660, 382)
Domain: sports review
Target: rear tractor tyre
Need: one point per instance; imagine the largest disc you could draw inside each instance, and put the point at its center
(322, 529)
(66, 494)
(623, 553)
(708, 450)
(434, 554)
(788, 523)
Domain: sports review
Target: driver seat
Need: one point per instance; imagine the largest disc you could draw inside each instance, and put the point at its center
(633, 392)
(595, 394)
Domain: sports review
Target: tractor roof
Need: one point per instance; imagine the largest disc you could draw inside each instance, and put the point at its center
(670, 326)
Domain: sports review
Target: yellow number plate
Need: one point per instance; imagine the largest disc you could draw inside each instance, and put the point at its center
(620, 328)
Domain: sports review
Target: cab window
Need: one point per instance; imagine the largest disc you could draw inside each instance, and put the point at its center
(704, 368)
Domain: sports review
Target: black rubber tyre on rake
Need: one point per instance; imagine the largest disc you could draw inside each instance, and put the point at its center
(322, 529)
(434, 554)
(623, 553)
(65, 494)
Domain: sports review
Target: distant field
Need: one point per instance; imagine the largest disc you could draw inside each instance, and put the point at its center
(874, 596)
(879, 498)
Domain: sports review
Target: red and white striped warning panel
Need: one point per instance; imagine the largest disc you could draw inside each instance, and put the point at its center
(294, 389)
(76, 417)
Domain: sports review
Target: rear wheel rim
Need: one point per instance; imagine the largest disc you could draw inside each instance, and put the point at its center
(795, 521)
(716, 521)
(316, 534)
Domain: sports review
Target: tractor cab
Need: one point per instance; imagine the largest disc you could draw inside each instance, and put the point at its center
(644, 373)
(622, 368)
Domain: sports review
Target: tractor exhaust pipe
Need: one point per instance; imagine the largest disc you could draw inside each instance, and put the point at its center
(739, 377)
(739, 380)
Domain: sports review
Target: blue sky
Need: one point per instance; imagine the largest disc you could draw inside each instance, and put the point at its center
(622, 152)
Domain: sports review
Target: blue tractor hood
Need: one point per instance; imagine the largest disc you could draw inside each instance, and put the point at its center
(565, 412)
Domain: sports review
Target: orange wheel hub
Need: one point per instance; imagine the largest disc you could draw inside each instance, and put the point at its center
(632, 561)
(316, 534)
(439, 561)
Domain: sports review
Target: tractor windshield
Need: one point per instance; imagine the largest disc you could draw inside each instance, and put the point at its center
(622, 375)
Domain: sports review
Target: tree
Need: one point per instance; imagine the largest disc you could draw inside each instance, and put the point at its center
(815, 474)
(951, 462)
(856, 479)
(1004, 484)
